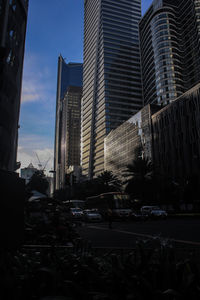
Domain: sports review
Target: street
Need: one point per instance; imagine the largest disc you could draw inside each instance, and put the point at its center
(182, 232)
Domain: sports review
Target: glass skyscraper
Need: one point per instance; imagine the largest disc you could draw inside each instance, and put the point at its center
(112, 90)
(71, 130)
(170, 49)
(70, 74)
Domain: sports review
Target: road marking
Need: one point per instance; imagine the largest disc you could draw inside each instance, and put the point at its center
(146, 235)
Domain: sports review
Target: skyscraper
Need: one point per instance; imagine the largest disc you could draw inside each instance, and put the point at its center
(170, 49)
(111, 75)
(13, 20)
(68, 74)
(71, 130)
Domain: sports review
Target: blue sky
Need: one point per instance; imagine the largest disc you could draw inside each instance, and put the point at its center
(54, 27)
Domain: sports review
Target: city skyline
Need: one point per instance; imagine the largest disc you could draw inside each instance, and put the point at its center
(45, 41)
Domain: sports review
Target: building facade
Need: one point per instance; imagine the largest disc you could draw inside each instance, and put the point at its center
(176, 137)
(68, 74)
(112, 89)
(170, 49)
(13, 20)
(169, 137)
(123, 143)
(71, 130)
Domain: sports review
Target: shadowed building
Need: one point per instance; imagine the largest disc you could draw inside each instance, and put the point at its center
(112, 90)
(68, 75)
(13, 20)
(170, 49)
(176, 136)
(169, 136)
(71, 130)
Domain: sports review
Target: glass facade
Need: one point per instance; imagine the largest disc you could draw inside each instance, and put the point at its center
(70, 74)
(112, 90)
(13, 20)
(169, 137)
(71, 130)
(170, 49)
(122, 143)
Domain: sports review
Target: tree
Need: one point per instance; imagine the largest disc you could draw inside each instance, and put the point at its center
(38, 182)
(109, 181)
(139, 176)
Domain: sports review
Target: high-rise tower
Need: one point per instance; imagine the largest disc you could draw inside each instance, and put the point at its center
(13, 20)
(71, 130)
(111, 74)
(70, 74)
(170, 49)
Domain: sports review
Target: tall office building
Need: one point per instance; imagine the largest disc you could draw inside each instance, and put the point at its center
(112, 90)
(70, 74)
(13, 20)
(71, 130)
(170, 49)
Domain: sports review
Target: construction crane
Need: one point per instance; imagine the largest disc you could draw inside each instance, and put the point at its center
(41, 167)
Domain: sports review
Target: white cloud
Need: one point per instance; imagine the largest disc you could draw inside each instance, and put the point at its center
(39, 88)
(36, 81)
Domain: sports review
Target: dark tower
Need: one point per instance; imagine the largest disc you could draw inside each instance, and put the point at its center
(13, 20)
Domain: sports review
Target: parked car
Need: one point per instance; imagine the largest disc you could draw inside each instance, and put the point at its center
(153, 211)
(122, 213)
(76, 213)
(92, 215)
(146, 210)
(138, 216)
(158, 213)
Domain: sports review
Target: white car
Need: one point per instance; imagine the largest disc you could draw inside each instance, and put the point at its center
(153, 211)
(158, 213)
(92, 215)
(76, 213)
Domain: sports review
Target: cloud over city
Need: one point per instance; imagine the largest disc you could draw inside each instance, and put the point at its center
(36, 133)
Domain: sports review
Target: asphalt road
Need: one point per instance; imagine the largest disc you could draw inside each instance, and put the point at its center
(182, 232)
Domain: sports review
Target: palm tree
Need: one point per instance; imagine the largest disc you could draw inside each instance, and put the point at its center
(109, 181)
(138, 177)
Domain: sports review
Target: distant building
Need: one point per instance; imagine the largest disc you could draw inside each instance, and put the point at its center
(112, 90)
(27, 173)
(75, 174)
(13, 20)
(71, 131)
(122, 143)
(68, 75)
(170, 49)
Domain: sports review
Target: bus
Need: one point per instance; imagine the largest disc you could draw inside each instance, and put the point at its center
(119, 203)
